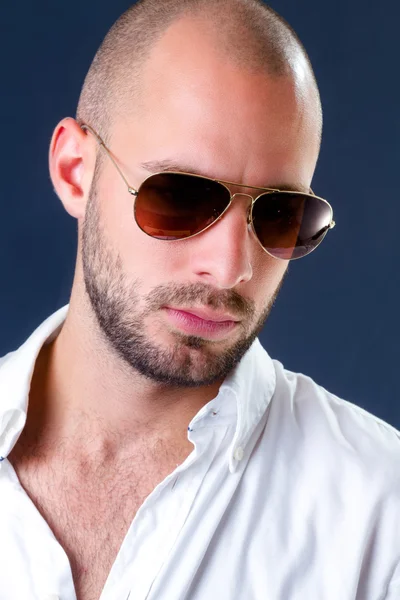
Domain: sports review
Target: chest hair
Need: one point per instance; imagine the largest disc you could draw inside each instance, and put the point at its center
(89, 507)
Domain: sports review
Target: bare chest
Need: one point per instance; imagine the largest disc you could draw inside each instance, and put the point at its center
(91, 512)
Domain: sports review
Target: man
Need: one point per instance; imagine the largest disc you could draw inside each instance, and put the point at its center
(163, 454)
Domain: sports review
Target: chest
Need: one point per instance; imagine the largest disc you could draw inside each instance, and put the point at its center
(90, 510)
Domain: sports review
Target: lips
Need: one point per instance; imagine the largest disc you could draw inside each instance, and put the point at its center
(207, 315)
(201, 322)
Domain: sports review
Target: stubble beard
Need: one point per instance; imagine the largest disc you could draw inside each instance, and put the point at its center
(190, 361)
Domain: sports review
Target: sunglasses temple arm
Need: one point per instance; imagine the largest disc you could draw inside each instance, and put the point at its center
(131, 190)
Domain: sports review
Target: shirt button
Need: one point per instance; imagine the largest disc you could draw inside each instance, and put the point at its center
(238, 454)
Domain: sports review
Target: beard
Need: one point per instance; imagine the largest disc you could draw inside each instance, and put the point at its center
(188, 361)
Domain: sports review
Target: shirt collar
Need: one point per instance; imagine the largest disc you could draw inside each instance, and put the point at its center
(251, 383)
(16, 370)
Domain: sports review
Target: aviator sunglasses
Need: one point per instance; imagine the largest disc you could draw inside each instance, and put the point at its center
(176, 206)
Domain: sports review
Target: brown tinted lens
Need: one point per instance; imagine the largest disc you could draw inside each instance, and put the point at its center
(290, 225)
(173, 206)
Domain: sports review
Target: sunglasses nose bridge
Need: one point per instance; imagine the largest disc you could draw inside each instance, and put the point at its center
(233, 196)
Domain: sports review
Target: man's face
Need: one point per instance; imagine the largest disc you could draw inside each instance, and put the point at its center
(203, 115)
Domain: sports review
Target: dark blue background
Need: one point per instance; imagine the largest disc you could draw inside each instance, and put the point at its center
(336, 318)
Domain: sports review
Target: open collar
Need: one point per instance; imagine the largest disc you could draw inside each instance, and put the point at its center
(252, 383)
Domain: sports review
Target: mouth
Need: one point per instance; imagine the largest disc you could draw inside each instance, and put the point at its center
(201, 322)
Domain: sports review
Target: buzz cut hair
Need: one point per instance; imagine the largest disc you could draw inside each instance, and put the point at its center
(248, 32)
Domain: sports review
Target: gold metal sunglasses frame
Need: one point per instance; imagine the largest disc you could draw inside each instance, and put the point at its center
(264, 191)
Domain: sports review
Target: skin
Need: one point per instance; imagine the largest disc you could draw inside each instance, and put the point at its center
(212, 117)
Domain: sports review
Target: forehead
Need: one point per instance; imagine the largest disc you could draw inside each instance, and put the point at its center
(203, 108)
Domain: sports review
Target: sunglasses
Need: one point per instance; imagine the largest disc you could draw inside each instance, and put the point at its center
(176, 206)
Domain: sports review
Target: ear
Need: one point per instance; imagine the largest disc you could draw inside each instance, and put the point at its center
(72, 158)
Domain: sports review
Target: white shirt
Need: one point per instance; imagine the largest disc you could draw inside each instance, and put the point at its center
(290, 493)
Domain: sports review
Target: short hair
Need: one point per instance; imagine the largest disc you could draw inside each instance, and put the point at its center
(267, 43)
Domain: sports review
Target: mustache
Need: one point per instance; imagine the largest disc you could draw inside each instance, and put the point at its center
(199, 294)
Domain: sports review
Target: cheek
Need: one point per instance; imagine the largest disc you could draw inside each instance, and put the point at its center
(268, 273)
(144, 260)
(152, 262)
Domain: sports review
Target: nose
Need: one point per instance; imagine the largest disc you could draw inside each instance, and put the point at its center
(222, 255)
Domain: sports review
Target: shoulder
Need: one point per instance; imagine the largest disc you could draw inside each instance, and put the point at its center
(4, 358)
(331, 431)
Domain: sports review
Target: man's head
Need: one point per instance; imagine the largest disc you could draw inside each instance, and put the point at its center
(221, 88)
(246, 33)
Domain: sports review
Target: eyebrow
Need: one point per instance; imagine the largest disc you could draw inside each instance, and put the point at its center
(161, 166)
